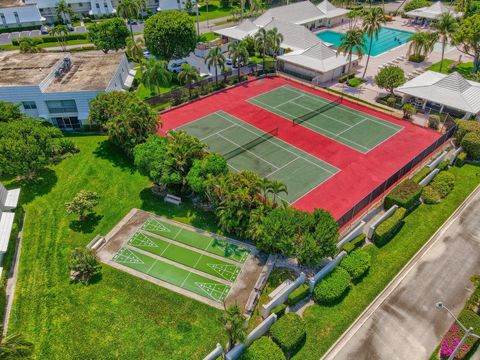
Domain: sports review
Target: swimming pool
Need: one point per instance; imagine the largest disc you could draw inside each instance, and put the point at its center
(387, 39)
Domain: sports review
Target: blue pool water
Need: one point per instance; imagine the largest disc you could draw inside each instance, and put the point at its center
(387, 39)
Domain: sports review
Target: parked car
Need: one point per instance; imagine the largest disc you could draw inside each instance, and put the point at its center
(44, 29)
(146, 54)
(176, 66)
(228, 62)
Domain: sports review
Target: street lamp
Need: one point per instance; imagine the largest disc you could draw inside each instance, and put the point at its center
(468, 332)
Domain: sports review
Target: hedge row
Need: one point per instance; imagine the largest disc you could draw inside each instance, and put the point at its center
(346, 77)
(356, 264)
(421, 174)
(465, 127)
(333, 287)
(289, 332)
(51, 39)
(389, 227)
(263, 349)
(279, 310)
(355, 243)
(298, 294)
(406, 195)
(461, 158)
(439, 188)
(471, 145)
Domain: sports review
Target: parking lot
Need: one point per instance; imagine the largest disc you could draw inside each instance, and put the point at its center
(6, 38)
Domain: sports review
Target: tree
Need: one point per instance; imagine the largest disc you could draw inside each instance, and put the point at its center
(30, 45)
(108, 105)
(82, 202)
(416, 4)
(216, 59)
(390, 77)
(188, 76)
(155, 74)
(445, 26)
(203, 169)
(238, 53)
(60, 32)
(26, 146)
(408, 110)
(276, 188)
(129, 10)
(9, 112)
(15, 346)
(422, 44)
(63, 12)
(170, 34)
(352, 41)
(150, 155)
(83, 265)
(276, 40)
(372, 24)
(110, 34)
(235, 326)
(263, 44)
(467, 39)
(134, 50)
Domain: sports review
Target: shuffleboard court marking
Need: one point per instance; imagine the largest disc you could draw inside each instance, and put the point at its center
(125, 256)
(226, 271)
(140, 239)
(211, 288)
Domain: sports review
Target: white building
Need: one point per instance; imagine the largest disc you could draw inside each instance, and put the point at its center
(48, 87)
(14, 14)
(434, 92)
(424, 15)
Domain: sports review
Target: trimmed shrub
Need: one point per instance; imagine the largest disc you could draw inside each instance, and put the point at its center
(263, 349)
(430, 196)
(471, 145)
(357, 264)
(298, 294)
(333, 287)
(346, 77)
(408, 111)
(389, 227)
(391, 101)
(443, 165)
(289, 332)
(355, 243)
(52, 39)
(280, 310)
(406, 195)
(434, 122)
(460, 160)
(354, 82)
(465, 127)
(421, 174)
(416, 58)
(443, 183)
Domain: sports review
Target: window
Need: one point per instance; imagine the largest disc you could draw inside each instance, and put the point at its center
(29, 105)
(67, 122)
(61, 106)
(80, 4)
(105, 5)
(4, 21)
(97, 5)
(17, 19)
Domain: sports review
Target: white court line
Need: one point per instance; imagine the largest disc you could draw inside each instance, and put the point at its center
(151, 267)
(290, 100)
(196, 263)
(216, 133)
(280, 168)
(169, 243)
(186, 277)
(179, 231)
(283, 148)
(351, 127)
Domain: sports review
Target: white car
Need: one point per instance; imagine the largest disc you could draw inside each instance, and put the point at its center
(176, 66)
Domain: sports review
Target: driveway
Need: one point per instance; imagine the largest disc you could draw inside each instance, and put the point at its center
(404, 323)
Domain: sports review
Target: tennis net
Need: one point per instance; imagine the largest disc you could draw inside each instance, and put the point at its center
(321, 109)
(251, 144)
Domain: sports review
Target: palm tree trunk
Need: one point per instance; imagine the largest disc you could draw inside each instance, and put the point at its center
(216, 75)
(263, 60)
(238, 70)
(368, 56)
(476, 60)
(131, 31)
(444, 43)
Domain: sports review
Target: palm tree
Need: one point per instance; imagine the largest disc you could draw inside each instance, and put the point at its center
(129, 10)
(30, 45)
(238, 53)
(155, 74)
(445, 26)
(60, 32)
(134, 50)
(262, 43)
(234, 324)
(216, 59)
(275, 39)
(15, 346)
(373, 20)
(63, 11)
(277, 188)
(422, 43)
(266, 187)
(142, 4)
(255, 6)
(188, 76)
(352, 41)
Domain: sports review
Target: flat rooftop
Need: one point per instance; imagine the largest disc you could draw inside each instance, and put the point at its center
(91, 70)
(10, 3)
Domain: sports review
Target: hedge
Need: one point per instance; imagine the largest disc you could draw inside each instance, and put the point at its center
(443, 183)
(346, 77)
(471, 145)
(421, 174)
(298, 294)
(263, 349)
(289, 332)
(430, 196)
(388, 228)
(460, 160)
(443, 165)
(333, 287)
(465, 127)
(51, 39)
(355, 243)
(280, 310)
(405, 195)
(357, 264)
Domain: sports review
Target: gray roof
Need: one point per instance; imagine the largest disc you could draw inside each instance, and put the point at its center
(319, 58)
(298, 13)
(295, 37)
(450, 90)
(330, 10)
(8, 198)
(239, 32)
(6, 224)
(433, 11)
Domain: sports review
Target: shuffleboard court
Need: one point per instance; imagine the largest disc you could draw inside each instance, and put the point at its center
(171, 274)
(184, 256)
(358, 130)
(246, 147)
(197, 240)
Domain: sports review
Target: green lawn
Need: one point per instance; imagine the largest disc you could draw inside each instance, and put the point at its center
(325, 324)
(119, 316)
(464, 69)
(145, 93)
(215, 11)
(47, 44)
(207, 37)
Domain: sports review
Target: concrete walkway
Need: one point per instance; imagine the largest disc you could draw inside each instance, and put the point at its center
(403, 323)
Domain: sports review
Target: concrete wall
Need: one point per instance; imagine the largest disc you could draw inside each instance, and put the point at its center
(454, 156)
(434, 163)
(217, 352)
(426, 180)
(357, 230)
(282, 296)
(381, 219)
(326, 270)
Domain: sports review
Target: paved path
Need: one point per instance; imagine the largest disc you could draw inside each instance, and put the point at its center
(403, 322)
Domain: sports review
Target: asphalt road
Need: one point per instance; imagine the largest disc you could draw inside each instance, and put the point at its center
(404, 323)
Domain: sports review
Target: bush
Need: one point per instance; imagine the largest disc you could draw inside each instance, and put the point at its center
(389, 227)
(356, 264)
(289, 332)
(443, 165)
(430, 196)
(405, 195)
(333, 287)
(279, 310)
(64, 146)
(354, 82)
(434, 122)
(460, 160)
(391, 101)
(416, 58)
(408, 110)
(416, 4)
(465, 127)
(263, 349)
(389, 78)
(298, 294)
(346, 77)
(443, 183)
(52, 39)
(421, 174)
(355, 243)
(471, 145)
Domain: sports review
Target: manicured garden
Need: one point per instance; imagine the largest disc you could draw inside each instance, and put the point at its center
(448, 66)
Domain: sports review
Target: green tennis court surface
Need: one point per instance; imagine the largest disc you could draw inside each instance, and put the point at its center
(246, 147)
(350, 127)
(185, 256)
(197, 240)
(174, 275)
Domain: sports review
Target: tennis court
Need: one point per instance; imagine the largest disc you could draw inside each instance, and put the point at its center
(353, 128)
(246, 147)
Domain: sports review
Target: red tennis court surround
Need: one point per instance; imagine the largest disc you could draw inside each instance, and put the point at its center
(359, 173)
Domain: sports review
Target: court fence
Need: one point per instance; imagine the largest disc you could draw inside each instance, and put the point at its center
(384, 186)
